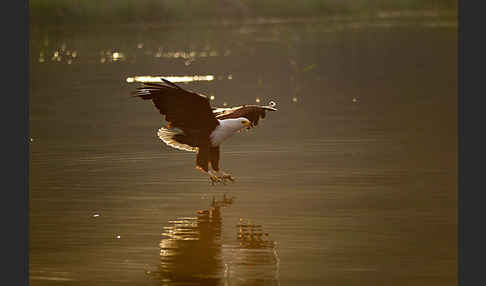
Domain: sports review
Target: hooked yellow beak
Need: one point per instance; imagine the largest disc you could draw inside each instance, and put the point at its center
(246, 124)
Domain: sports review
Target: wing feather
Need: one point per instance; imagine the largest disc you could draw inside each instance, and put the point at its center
(169, 137)
(252, 112)
(186, 110)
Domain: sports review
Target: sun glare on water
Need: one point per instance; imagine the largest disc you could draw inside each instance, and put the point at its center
(170, 78)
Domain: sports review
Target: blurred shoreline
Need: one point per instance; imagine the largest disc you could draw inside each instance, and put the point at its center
(227, 12)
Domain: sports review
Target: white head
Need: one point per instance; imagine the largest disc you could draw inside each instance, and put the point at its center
(236, 124)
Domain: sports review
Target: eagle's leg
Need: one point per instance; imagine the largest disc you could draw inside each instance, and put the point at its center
(214, 160)
(203, 158)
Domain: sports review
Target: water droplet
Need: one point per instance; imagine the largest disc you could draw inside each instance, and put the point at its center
(117, 56)
(294, 99)
(118, 236)
(257, 100)
(211, 97)
(96, 215)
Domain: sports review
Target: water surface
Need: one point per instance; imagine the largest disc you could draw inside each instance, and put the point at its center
(352, 182)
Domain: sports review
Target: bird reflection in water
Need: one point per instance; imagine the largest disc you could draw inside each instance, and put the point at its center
(192, 252)
(254, 259)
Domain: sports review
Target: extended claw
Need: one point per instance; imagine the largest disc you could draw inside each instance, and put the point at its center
(225, 177)
(214, 178)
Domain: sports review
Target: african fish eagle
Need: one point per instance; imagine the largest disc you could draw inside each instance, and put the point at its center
(201, 128)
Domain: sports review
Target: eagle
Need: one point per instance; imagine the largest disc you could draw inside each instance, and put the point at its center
(195, 126)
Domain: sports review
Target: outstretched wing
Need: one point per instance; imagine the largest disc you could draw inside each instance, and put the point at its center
(183, 109)
(252, 112)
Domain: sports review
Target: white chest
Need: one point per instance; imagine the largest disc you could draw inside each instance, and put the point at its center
(225, 130)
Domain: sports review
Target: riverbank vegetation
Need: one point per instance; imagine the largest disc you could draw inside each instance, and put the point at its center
(58, 12)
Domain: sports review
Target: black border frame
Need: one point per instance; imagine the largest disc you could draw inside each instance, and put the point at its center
(470, 158)
(15, 141)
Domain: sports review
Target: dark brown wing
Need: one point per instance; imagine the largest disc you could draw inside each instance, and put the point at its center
(251, 112)
(183, 109)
